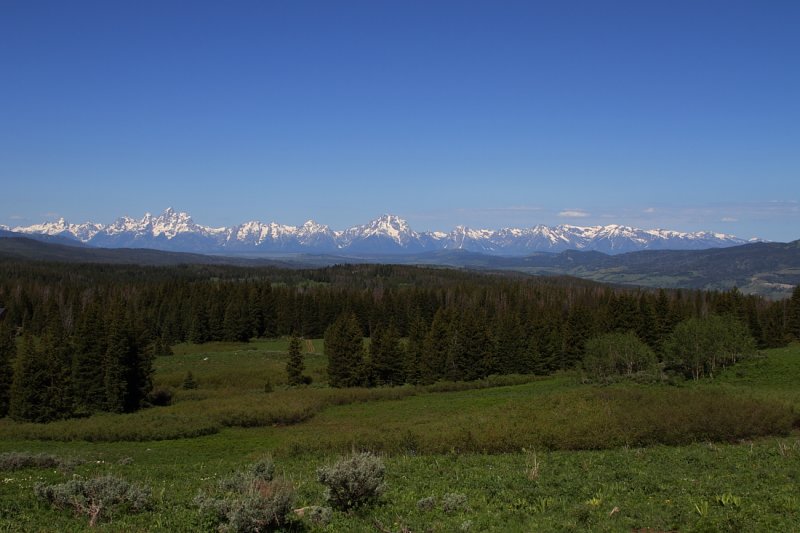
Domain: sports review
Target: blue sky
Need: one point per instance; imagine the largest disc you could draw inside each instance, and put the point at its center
(683, 115)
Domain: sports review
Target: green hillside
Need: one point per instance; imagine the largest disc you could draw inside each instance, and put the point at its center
(529, 454)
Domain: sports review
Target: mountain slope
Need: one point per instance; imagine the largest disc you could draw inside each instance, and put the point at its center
(770, 269)
(23, 248)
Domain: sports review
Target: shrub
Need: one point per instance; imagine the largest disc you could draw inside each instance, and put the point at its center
(262, 471)
(454, 502)
(618, 354)
(699, 346)
(97, 498)
(160, 397)
(20, 460)
(426, 504)
(318, 515)
(189, 382)
(354, 481)
(251, 501)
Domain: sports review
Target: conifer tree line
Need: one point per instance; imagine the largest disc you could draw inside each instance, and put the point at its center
(101, 366)
(91, 331)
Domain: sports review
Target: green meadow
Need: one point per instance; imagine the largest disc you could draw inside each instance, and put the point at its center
(527, 453)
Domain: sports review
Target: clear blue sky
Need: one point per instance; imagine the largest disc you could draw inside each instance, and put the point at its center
(656, 114)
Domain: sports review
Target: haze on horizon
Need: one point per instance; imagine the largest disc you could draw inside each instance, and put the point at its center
(682, 115)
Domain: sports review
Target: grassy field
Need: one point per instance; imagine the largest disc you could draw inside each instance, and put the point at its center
(529, 454)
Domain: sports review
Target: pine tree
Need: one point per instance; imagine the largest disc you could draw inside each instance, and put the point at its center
(344, 347)
(793, 314)
(7, 355)
(295, 365)
(89, 347)
(624, 313)
(662, 318)
(510, 346)
(412, 365)
(236, 324)
(436, 348)
(268, 312)
(29, 385)
(773, 327)
(116, 364)
(578, 329)
(199, 330)
(471, 352)
(647, 328)
(386, 356)
(58, 398)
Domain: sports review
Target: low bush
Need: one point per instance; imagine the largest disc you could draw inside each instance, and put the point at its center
(454, 502)
(20, 460)
(318, 515)
(426, 504)
(616, 355)
(250, 500)
(354, 481)
(146, 425)
(585, 417)
(160, 397)
(98, 498)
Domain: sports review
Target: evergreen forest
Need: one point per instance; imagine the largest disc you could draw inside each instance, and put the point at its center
(76, 340)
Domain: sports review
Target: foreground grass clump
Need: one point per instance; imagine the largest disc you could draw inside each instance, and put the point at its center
(250, 500)
(354, 481)
(97, 498)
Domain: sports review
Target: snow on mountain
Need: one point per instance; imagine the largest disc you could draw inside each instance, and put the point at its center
(385, 227)
(177, 231)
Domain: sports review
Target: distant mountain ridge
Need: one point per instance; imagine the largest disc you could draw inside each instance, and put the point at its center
(387, 234)
(769, 269)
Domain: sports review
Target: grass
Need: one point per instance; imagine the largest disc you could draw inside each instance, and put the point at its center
(219, 365)
(593, 457)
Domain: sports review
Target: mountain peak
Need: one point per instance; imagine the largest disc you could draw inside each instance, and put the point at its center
(176, 230)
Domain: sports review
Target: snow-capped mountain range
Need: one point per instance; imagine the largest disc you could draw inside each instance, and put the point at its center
(176, 231)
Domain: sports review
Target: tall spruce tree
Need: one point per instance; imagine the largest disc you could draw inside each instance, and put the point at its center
(116, 363)
(344, 347)
(510, 346)
(412, 365)
(386, 356)
(793, 315)
(7, 355)
(236, 325)
(199, 330)
(89, 348)
(30, 383)
(437, 346)
(58, 399)
(295, 365)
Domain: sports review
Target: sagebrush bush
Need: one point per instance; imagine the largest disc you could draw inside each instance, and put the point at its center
(251, 500)
(241, 481)
(98, 498)
(318, 515)
(353, 481)
(454, 502)
(19, 460)
(426, 504)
